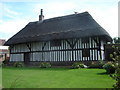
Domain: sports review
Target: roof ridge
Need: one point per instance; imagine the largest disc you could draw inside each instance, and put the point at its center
(66, 16)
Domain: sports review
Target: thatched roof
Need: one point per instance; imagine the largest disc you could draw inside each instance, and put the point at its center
(70, 26)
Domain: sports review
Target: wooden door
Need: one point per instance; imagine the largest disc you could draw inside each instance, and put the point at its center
(26, 58)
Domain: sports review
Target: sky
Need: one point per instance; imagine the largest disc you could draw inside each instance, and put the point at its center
(16, 14)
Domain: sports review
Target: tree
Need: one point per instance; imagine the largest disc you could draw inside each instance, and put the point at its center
(116, 57)
(116, 40)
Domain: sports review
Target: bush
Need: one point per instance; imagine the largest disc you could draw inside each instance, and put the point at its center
(2, 64)
(109, 67)
(77, 65)
(45, 65)
(117, 78)
(96, 65)
(116, 58)
(18, 64)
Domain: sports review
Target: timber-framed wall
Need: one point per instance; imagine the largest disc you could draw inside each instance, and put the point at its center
(69, 50)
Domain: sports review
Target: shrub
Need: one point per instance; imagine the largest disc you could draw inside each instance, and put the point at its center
(116, 58)
(101, 63)
(1, 64)
(81, 65)
(45, 65)
(117, 78)
(109, 67)
(18, 64)
(77, 65)
(98, 64)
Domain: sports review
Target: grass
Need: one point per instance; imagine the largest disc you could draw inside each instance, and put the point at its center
(55, 78)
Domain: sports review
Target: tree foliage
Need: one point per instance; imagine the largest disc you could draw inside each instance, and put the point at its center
(116, 40)
(116, 57)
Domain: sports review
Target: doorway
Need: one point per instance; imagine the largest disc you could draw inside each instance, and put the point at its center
(26, 58)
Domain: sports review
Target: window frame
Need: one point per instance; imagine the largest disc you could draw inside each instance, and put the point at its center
(86, 52)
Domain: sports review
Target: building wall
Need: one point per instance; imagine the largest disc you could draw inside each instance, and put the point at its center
(43, 51)
(16, 57)
(4, 53)
(2, 41)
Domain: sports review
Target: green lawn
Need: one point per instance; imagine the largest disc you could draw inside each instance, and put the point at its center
(55, 78)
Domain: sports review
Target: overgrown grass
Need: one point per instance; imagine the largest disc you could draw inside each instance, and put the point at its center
(55, 78)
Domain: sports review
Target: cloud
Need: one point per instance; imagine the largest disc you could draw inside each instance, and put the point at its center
(11, 21)
(59, 0)
(9, 28)
(104, 12)
(108, 19)
(9, 12)
(54, 9)
(12, 26)
(19, 0)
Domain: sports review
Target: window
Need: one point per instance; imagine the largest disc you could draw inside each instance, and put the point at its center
(54, 43)
(85, 40)
(85, 52)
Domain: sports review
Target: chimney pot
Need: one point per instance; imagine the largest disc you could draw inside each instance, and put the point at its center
(41, 11)
(41, 16)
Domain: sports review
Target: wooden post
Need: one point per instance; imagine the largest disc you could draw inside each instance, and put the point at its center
(43, 49)
(72, 46)
(29, 46)
(100, 49)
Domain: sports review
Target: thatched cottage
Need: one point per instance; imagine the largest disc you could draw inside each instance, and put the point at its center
(59, 40)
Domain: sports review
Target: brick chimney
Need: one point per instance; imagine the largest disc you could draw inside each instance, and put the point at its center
(41, 17)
